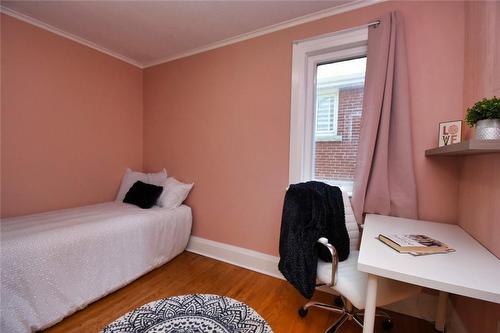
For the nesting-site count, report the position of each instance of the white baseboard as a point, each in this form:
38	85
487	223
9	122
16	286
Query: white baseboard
253	260
422	306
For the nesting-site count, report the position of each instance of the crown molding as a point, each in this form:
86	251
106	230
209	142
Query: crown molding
57	31
269	29
232	40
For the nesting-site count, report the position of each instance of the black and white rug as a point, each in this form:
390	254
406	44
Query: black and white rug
196	313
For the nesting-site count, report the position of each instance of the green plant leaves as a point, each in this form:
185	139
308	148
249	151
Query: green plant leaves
487	108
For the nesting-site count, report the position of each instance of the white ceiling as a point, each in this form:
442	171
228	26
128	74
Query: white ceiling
150	32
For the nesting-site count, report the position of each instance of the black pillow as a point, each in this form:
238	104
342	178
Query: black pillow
143	195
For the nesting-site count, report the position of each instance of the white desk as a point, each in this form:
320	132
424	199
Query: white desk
471	271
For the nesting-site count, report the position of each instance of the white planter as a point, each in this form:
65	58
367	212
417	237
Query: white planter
488	129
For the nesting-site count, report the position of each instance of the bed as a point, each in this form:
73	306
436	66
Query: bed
55	263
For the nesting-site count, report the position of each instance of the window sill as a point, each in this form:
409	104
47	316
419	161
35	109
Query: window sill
328	138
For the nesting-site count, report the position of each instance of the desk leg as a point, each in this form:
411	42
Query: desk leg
441	311
371	304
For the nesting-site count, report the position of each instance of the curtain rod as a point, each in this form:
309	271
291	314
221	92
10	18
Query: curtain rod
374	24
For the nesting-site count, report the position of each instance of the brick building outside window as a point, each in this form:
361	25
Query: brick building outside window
339	101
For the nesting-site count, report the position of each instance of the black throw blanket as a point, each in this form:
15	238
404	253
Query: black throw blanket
311	210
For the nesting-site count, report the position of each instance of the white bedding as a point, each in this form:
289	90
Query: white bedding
55	263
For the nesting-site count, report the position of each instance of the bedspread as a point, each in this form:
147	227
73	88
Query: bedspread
55	263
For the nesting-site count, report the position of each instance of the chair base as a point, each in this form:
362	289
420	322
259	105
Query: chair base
347	313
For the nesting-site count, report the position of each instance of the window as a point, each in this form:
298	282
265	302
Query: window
327	95
327	109
339	103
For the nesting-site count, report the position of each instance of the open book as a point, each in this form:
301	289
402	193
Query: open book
414	244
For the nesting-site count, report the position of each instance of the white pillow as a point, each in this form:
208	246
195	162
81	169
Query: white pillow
131	177
174	193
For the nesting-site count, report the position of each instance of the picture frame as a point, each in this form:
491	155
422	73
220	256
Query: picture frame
450	132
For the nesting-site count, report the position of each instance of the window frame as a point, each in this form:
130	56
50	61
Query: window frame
307	55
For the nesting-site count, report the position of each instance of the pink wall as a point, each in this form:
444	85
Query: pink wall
221	119
71	121
479	190
479	182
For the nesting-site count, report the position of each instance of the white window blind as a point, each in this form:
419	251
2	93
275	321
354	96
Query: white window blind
327	109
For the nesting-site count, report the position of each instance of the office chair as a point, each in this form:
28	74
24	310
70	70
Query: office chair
350	284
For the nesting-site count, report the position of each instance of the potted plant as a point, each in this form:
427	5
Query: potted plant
485	116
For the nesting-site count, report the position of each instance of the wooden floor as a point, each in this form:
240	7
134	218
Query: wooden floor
272	298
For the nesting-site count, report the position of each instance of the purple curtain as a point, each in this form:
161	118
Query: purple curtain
385	177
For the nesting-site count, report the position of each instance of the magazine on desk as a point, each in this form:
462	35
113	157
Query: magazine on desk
416	245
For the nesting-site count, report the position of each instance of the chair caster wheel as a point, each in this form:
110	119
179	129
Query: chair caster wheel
303	312
387	324
338	302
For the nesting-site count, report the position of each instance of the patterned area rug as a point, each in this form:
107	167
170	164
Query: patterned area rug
196	313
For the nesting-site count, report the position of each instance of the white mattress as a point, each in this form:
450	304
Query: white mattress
55	263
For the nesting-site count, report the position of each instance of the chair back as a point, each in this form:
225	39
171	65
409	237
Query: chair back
350	223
